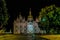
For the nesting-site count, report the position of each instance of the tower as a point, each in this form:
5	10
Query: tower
17	24
36	19
30	17
20	16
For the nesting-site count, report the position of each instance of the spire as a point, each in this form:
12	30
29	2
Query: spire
20	16
30	16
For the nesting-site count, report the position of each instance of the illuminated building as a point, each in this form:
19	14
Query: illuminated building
23	26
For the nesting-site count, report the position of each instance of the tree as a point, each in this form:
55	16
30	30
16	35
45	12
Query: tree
50	17
3	14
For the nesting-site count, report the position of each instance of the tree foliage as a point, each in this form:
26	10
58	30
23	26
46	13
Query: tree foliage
3	13
50	16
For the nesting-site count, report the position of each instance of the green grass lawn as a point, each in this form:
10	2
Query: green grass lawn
12	37
22	37
16	37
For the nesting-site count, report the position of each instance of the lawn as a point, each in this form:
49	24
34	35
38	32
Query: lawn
51	37
12	37
21	37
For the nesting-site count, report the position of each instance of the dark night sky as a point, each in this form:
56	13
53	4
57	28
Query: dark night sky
15	6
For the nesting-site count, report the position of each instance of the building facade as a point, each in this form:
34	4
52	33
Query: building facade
23	26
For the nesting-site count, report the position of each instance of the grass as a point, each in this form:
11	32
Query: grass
21	37
11	37
51	37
